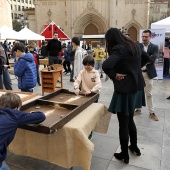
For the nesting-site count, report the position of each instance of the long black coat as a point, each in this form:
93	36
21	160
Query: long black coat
121	61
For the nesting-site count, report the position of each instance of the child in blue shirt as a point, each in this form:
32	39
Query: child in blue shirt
10	119
25	68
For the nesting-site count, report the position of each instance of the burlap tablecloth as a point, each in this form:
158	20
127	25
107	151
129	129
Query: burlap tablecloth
69	146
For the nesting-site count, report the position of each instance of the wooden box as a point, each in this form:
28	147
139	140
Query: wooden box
50	78
59	107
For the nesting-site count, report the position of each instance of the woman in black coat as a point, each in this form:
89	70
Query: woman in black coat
124	68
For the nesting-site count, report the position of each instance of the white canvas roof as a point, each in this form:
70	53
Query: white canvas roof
93	36
27	34
8	33
165	23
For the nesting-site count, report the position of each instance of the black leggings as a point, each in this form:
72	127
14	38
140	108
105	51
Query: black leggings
127	128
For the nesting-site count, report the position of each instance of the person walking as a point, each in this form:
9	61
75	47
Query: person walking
43	51
149	72
25	68
78	58
53	48
124	68
66	63
99	55
166	59
72	55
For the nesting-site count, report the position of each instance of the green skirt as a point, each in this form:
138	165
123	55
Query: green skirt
127	102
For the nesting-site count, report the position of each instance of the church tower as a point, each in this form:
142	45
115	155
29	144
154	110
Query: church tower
5	14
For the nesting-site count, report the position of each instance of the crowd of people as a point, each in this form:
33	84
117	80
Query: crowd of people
130	66
69	55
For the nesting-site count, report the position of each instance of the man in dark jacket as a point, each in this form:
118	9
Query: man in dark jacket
53	48
149	72
25	68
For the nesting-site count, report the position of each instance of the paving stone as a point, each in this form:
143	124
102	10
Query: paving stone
165	164
148	136
145	121
105	147
150	157
29	163
99	164
167	113
56	167
122	166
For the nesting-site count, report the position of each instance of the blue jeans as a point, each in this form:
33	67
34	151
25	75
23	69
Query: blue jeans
98	65
38	76
5	80
4	166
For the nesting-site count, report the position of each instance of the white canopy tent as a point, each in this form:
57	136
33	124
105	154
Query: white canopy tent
8	33
164	23
27	34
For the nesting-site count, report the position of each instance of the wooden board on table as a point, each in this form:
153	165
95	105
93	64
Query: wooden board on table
23	95
58	110
67	97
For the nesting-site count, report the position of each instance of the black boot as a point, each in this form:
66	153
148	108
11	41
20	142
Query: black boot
135	149
122	156
133	140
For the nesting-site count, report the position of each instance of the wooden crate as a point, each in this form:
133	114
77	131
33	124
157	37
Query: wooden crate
50	79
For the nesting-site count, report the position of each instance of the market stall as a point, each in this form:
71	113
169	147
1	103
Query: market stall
162	24
50	29
27	34
8	33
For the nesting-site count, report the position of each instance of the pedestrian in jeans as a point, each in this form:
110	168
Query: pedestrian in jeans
72	54
66	63
99	55
53	48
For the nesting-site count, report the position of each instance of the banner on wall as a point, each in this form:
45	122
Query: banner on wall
158	38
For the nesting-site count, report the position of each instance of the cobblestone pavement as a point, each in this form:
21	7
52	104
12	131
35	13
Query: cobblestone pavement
153	136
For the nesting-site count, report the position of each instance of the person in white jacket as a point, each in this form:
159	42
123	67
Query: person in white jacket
78	66
88	80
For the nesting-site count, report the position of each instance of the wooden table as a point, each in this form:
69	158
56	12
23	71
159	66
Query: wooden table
68	147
